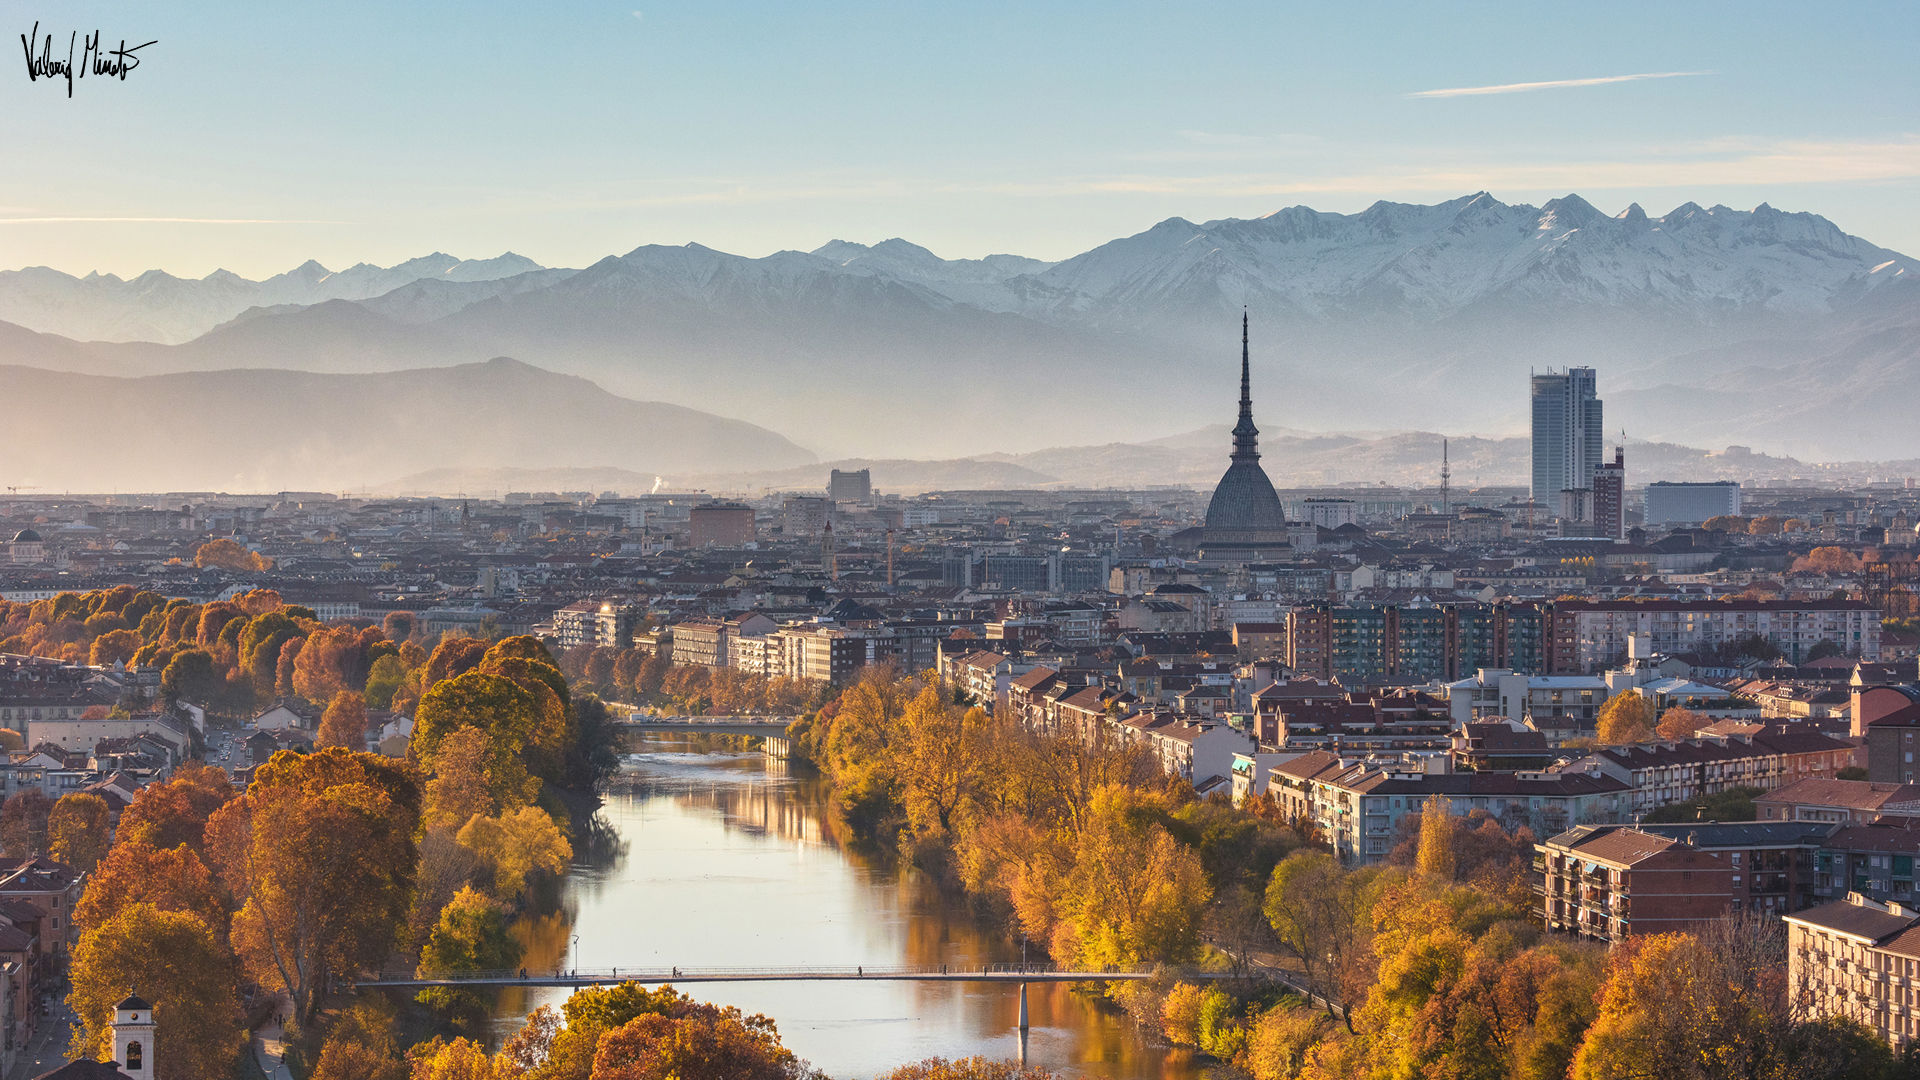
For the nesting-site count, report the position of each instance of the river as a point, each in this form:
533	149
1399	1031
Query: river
727	860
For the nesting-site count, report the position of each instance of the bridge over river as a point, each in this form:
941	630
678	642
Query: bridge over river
772	730
577	977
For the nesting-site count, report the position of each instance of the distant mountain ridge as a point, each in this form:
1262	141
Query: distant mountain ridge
159	307
1709	326
266	430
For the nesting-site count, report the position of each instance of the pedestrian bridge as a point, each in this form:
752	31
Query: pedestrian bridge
764	726
577	977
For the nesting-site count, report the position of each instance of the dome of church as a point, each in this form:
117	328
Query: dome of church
1245	499
26	536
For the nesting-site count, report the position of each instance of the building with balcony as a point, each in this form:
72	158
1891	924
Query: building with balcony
1858	958
1609	882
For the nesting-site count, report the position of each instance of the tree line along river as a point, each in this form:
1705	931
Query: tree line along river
728	859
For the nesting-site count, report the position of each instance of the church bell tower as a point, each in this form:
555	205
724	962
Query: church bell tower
133	1037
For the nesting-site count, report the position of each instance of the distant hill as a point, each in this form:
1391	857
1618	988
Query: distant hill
268	430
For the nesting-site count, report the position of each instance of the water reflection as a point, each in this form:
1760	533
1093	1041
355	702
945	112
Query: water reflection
728	859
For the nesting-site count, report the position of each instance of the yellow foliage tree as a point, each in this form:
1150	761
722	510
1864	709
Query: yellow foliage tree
461	1059
1626	718
1436	858
515	845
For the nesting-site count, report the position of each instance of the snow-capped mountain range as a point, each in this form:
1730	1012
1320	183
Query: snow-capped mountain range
158	307
1398	316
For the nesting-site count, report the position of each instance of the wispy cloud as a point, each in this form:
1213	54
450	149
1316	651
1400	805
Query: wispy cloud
164	221
1554	84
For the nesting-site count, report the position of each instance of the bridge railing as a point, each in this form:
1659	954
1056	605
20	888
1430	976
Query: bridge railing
667	974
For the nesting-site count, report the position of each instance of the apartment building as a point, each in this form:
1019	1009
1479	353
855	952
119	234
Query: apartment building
1858	958
1589	635
1662	773
1608	882
1358	805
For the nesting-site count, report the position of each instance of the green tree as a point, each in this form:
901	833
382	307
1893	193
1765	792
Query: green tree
383	680
493	704
1322	916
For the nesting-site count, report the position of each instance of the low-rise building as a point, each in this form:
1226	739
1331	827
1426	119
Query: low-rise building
1823	798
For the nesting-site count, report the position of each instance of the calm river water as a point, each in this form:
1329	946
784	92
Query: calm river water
723	859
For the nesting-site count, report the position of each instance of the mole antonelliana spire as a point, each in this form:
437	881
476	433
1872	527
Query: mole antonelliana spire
1244	519
1246	437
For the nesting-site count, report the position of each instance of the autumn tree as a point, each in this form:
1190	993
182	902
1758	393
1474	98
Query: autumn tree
1132	893
490	703
516	845
320	854
225	554
705	1044
172	959
400	625
1832	561
1436	858
560	1045
1681	723
23	823
175	811
461	1059
1713	1003
344	723
169	879
77	830
452	658
360	1046
1321	916
940	766
1626	718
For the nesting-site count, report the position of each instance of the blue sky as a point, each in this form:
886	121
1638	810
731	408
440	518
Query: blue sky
355	132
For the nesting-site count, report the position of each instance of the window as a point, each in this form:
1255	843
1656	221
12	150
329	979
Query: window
134	1055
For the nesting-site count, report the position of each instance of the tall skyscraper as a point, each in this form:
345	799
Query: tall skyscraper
1566	433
